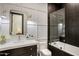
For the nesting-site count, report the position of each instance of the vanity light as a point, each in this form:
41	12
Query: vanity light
30	22
4	14
0	19
3	17
60	24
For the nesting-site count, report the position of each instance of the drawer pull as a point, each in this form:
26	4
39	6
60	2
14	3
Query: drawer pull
31	49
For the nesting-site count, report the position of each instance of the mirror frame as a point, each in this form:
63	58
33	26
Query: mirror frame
11	22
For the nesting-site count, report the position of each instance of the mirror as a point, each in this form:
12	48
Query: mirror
17	20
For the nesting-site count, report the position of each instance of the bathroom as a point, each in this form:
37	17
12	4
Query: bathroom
39	29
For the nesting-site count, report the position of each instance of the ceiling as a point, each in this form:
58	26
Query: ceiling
37	6
55	6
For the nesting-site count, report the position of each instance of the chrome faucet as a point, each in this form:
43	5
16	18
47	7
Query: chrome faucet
28	36
19	37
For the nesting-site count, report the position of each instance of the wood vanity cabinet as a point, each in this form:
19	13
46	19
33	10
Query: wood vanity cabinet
57	52
23	51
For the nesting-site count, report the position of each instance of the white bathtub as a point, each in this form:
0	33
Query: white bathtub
73	50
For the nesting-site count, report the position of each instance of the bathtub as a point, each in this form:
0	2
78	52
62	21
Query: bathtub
73	50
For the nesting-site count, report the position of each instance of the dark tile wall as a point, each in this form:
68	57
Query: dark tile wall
72	23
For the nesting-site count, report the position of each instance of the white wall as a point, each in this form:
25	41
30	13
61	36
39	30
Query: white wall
38	16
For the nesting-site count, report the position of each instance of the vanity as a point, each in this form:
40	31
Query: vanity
25	48
24	44
20	47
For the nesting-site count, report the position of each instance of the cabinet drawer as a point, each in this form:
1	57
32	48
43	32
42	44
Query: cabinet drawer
32	50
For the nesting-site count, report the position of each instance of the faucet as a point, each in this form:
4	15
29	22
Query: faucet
28	36
19	37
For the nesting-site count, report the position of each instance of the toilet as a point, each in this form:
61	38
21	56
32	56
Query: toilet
45	52
43	49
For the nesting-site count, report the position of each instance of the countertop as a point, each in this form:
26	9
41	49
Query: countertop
19	44
73	50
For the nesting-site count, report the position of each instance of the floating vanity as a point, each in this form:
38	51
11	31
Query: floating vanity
22	48
63	49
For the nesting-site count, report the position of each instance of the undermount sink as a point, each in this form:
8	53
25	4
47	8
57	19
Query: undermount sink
12	42
17	42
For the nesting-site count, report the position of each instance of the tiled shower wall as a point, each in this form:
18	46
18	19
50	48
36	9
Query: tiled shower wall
38	27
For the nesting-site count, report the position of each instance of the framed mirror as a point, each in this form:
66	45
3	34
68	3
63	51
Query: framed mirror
17	21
